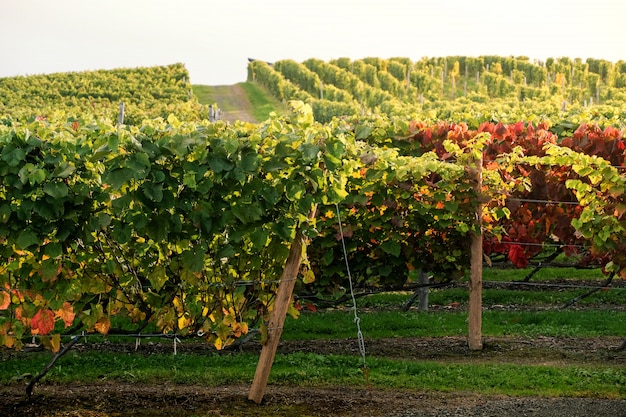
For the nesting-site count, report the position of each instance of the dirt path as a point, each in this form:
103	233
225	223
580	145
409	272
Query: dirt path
234	103
161	400
124	399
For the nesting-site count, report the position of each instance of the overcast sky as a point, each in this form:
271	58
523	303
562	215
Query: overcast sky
214	38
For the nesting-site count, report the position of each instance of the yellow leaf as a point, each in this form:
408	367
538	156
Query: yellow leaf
66	313
236	330
229	320
5	300
52	342
103	325
309	277
136	314
293	311
219	343
183	322
8	341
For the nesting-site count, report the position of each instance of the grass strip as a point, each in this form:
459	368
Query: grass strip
261	101
505	297
544	274
338	324
308	369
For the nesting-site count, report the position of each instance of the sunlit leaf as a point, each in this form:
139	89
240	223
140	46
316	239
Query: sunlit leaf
66	313
103	325
42	322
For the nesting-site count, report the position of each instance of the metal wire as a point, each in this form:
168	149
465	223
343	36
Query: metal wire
531	200
357	320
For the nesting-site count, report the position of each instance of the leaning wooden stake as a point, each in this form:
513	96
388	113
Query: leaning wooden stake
277	319
475	341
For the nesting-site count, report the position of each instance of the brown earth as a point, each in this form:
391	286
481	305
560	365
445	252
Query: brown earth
124	400
234	103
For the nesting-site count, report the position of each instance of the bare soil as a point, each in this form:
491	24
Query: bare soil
234	103
124	400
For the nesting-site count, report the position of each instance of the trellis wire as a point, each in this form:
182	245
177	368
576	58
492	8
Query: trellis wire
538	201
357	320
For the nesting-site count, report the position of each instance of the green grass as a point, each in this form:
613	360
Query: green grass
307	369
384	324
544	274
505	297
206	94
261	101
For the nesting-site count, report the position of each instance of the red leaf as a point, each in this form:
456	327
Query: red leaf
500	130
42	322
517	256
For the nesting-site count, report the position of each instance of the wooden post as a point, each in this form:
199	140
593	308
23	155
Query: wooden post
423	279
476	274
277	318
120	116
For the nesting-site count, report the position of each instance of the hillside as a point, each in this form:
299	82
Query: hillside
468	89
147	93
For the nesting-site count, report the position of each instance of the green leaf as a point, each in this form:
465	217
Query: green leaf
13	156
26	239
310	151
391	247
335	148
275	164
250	161
158	277
37	177
154	192
118	177
238	174
259	238
5	212
121	233
64	170
139	163
219	164
193	259
362	132
452	206
159	228
295	190
104	220
56	189
284	229
189	180
49	269
332	163
53	250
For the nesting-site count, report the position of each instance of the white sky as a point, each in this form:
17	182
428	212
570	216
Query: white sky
214	38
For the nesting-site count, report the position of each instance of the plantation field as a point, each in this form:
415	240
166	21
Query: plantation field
163	249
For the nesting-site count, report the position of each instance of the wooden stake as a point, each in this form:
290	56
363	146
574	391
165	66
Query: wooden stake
120	115
476	274
277	319
423	279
